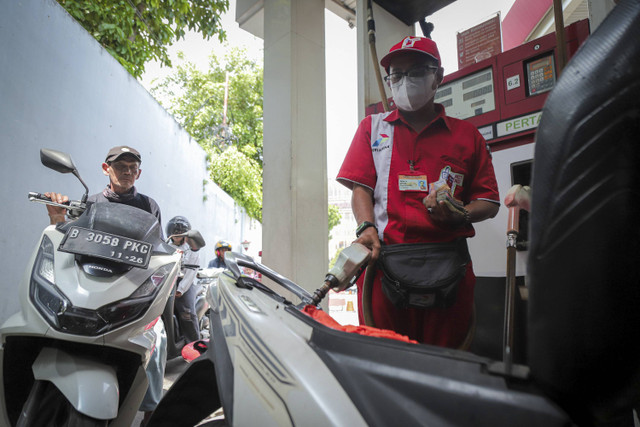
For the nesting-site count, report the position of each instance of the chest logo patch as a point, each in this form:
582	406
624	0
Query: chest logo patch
383	139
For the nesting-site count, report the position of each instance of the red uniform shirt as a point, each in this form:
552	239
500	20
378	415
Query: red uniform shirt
447	144
379	158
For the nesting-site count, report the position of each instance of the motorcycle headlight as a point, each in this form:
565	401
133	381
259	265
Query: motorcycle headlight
153	283
134	307
63	316
44	294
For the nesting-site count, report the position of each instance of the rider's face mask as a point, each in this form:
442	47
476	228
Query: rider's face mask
412	90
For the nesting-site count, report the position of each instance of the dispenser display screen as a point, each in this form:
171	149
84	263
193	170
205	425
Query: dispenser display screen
469	96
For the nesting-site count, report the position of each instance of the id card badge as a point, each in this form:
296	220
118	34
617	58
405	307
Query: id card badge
413	181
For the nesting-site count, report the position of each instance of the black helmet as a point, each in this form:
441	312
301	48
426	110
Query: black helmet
223	244
177	225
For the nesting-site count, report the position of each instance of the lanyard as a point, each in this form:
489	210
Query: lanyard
412	160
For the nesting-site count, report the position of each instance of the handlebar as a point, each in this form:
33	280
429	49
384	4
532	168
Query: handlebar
39	197
74	207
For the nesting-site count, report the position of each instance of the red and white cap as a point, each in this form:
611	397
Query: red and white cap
422	45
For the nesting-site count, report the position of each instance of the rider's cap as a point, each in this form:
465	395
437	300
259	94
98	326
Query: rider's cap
412	44
116	152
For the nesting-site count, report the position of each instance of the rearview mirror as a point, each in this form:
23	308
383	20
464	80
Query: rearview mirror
61	162
57	160
194	239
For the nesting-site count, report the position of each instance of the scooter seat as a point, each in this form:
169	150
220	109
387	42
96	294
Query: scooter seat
584	286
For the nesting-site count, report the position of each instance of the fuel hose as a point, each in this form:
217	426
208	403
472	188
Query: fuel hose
371	28
367	289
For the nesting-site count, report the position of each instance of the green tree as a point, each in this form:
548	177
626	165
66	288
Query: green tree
135	32
196	99
241	177
233	141
334	217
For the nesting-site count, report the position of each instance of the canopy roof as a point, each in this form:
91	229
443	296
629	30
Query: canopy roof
412	11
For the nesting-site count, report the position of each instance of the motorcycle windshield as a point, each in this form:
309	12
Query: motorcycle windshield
122	220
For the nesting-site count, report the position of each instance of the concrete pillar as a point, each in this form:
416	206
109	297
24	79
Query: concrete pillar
295	235
389	31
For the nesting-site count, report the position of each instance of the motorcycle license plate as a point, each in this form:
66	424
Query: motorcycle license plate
99	244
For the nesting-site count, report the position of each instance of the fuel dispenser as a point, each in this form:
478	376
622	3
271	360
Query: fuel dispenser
503	96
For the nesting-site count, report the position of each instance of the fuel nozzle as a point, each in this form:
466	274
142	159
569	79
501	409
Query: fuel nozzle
350	264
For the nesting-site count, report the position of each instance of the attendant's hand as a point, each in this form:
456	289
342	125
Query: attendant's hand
370	239
440	212
56	214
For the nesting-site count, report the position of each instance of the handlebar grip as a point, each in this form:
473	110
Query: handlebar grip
39	196
33	195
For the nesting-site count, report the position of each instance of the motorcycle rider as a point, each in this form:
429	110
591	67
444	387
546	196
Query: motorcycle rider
187	289
122	166
221	247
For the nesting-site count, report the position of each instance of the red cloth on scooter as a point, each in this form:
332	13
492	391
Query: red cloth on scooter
327	320
193	350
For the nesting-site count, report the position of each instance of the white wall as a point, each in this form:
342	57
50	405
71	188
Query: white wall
59	89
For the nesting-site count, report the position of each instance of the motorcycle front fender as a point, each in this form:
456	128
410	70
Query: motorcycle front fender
90	386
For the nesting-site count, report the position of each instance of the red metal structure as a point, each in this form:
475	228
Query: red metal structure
521	80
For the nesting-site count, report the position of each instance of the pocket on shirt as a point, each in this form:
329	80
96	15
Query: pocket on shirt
415	214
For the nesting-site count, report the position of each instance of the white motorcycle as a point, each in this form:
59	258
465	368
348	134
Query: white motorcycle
75	353
270	364
205	278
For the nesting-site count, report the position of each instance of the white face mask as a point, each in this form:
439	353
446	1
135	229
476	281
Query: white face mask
413	93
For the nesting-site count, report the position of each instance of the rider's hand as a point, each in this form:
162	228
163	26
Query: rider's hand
56	214
178	294
440	213
369	238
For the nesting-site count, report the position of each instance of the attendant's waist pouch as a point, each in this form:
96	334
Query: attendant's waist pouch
423	275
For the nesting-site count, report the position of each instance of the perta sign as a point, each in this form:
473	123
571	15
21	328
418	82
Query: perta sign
519	124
